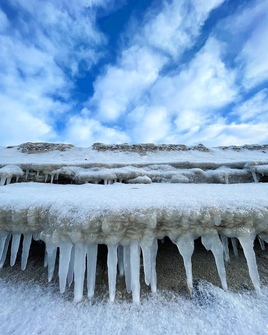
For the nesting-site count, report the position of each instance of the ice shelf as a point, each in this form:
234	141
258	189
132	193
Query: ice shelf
129	208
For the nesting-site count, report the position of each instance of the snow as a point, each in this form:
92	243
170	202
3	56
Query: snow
88	156
28	308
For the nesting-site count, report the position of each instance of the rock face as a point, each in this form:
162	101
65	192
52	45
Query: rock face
181	193
147	147
33	148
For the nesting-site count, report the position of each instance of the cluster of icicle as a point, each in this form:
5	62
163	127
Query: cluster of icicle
137	175
79	259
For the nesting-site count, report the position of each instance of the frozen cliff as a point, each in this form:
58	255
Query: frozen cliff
129	197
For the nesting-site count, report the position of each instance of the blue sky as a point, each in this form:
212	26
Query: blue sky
116	71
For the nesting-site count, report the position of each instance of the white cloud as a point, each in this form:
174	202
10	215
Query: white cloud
84	131
175	27
255	109
168	32
254	56
149	124
246	34
194	94
46	44
122	85
4	23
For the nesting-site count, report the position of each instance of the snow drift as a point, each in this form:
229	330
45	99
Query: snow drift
128	198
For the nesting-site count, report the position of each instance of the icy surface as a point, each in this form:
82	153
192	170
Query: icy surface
28	308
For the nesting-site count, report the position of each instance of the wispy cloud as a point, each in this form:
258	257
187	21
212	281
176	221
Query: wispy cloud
43	45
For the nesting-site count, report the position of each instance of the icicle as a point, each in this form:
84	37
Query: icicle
65	255
105	181
79	270
135	271
212	242
8	180
26	244
70	275
147	265
51	251
127	268
120	252
2	181
262	245
225	244
185	244
92	251
3	237
226	177
26	175
46	177
15	244
234	245
4	251
52	178
45	259
256	179
247	244
154	249
112	270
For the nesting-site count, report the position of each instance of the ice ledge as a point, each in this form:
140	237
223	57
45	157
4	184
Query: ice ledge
75	219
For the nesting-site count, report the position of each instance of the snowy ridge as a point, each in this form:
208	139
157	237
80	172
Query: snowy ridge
223	203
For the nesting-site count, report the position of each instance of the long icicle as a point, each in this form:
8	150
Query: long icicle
234	245
212	242
135	271
225	244
15	244
4	252
247	243
51	251
65	255
3	237
185	244
154	249
79	270
26	244
92	251
70	275
127	268
120	252
147	263
112	270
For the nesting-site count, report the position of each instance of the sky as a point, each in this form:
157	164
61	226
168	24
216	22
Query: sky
134	71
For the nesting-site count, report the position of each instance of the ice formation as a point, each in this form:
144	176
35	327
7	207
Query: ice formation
128	198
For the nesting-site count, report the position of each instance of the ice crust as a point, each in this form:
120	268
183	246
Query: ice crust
128	201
